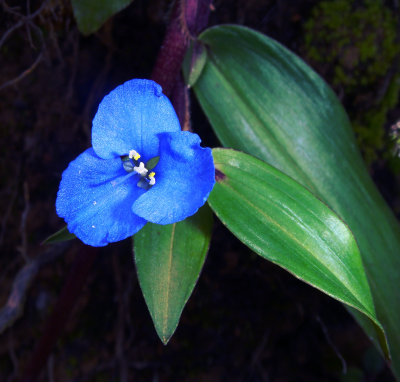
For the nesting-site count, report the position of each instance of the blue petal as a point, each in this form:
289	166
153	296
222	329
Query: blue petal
95	199
184	178
130	117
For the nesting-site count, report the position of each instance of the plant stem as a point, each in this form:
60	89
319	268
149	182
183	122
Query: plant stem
188	18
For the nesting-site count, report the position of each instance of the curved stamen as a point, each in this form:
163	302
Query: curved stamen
134	155
152	179
115	183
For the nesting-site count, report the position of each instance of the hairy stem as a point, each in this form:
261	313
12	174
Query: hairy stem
188	18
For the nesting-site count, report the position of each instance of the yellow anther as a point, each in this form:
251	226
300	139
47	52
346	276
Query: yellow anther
134	154
152	179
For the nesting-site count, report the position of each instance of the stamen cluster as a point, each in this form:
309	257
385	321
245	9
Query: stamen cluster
131	163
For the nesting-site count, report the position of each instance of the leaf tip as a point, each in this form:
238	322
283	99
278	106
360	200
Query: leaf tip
165	339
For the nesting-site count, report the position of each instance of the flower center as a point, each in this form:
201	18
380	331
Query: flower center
131	164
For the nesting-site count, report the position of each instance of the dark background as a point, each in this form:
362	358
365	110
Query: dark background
247	319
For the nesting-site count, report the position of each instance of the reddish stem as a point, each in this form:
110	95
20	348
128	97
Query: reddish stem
188	18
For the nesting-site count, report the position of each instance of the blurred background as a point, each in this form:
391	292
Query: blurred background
247	319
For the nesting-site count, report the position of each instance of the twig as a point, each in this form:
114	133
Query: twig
9	9
27	21
13	357
30	16
28	31
55	324
73	39
333	346
99	81
23	74
11	30
14	305
255	359
50	368
24	242
101	367
128	320
23	19
155	376
11	265
120	325
10	205
75	62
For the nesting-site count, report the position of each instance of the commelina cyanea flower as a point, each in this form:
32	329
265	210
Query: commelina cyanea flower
141	168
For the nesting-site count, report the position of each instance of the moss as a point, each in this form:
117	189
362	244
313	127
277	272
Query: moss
354	45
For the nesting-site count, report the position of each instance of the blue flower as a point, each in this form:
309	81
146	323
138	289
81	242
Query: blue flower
141	168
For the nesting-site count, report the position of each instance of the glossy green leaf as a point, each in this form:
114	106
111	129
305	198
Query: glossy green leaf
90	15
169	259
264	100
62	235
283	222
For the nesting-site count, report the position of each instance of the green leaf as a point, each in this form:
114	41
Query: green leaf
194	62
283	222
62	235
90	15
262	99
169	259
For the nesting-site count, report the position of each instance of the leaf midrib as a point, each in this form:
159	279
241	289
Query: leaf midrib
355	295
168	281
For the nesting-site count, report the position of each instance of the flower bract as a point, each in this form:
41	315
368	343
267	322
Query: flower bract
141	168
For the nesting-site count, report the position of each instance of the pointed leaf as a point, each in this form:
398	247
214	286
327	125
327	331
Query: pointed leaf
169	259
194	62
62	235
90	15
264	100
283	222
